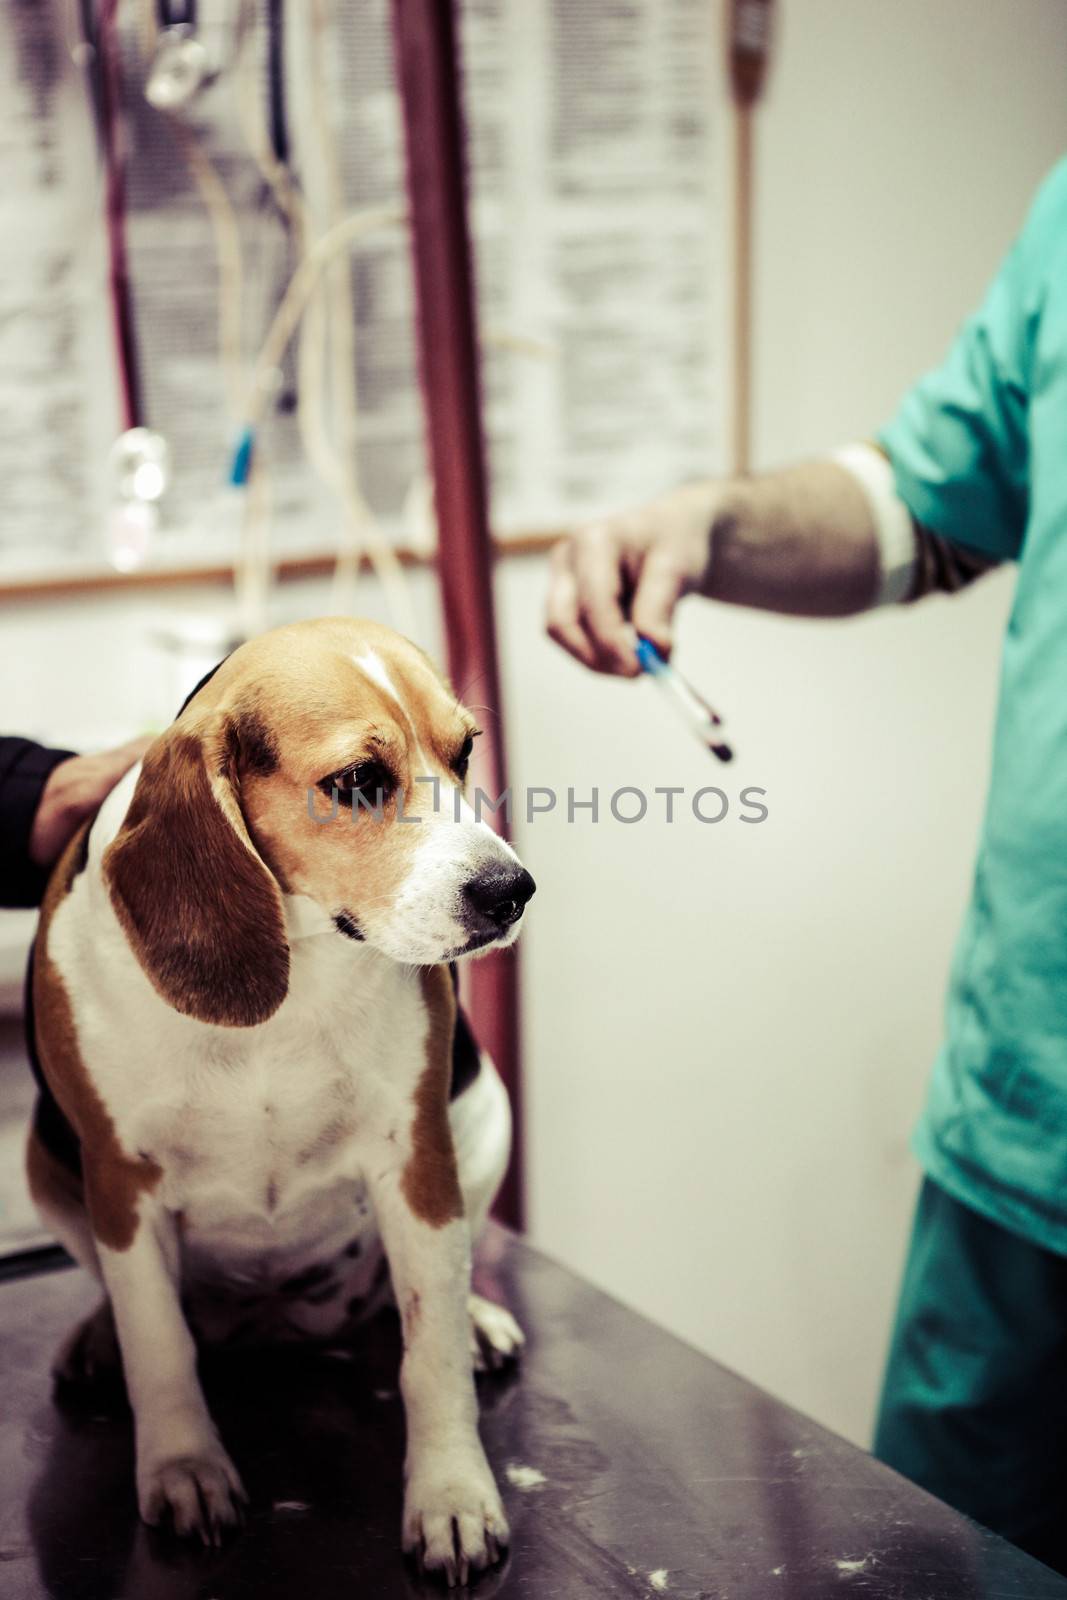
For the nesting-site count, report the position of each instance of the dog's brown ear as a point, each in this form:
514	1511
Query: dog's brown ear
201	910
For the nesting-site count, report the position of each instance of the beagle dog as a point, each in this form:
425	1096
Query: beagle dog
255	1119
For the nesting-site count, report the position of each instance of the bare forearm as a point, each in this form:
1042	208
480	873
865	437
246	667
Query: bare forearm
802	540
825	539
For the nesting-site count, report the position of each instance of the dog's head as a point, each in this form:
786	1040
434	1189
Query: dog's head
325	759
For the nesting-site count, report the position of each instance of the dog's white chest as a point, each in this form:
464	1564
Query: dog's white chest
255	1140
278	1237
262	1136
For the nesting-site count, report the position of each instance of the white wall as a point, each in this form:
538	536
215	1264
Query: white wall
728	1028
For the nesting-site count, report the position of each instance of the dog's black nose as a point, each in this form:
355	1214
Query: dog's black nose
500	892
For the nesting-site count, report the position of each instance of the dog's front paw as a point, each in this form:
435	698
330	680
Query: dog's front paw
454	1520
496	1337
198	1493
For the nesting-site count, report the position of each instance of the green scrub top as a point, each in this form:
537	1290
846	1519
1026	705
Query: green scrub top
979	452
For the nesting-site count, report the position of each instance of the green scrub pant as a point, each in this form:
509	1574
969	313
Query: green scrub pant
974	1405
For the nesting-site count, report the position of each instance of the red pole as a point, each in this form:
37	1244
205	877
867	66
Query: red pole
427	69
112	140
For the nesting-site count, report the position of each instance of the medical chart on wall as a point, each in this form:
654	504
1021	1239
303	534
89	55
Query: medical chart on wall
596	205
57	401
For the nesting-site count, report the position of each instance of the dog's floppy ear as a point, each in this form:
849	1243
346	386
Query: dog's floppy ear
201	910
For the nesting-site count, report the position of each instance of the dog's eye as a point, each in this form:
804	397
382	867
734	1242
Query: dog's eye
370	780
462	759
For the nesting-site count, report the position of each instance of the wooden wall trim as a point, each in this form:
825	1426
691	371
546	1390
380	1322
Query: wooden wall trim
65	586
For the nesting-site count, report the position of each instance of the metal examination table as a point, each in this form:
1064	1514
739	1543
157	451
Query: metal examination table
631	1467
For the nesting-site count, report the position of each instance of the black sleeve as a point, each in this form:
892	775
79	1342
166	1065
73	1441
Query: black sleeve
24	770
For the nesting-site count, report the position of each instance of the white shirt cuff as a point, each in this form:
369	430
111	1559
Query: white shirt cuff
898	545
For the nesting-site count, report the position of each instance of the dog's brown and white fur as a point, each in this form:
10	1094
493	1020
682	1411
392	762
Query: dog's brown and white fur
243	1013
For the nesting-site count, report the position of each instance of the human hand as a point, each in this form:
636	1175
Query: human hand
74	791
625	575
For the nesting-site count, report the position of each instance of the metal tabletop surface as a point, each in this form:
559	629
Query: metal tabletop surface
631	1465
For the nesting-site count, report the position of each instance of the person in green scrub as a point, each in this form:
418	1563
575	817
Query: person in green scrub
971	472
